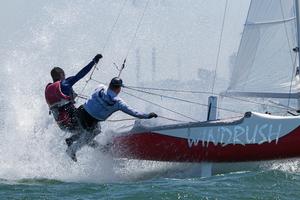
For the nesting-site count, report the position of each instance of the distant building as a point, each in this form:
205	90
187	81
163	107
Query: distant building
206	75
232	60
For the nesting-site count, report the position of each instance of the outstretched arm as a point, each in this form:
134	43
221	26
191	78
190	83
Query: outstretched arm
84	71
66	85
130	111
70	81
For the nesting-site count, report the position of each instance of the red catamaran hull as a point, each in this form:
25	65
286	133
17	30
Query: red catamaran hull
154	145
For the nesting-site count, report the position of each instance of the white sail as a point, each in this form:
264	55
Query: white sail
265	61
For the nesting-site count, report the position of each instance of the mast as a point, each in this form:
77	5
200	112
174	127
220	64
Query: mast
138	65
298	39
298	28
153	63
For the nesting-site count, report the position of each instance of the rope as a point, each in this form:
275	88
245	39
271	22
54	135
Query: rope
100	82
133	119
121	120
255	102
176	120
169	90
123	66
204	92
282	107
111	32
183	100
291	54
219	47
131	44
87	81
293	114
105	44
286	32
171	119
165	108
109	36
292	79
167	118
115	23
137	28
81	96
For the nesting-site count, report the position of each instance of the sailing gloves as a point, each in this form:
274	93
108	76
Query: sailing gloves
97	58
152	115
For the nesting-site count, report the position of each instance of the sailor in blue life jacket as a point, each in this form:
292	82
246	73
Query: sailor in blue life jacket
60	97
102	104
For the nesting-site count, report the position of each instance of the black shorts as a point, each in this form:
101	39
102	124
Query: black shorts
87	122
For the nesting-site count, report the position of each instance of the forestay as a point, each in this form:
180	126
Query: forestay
265	61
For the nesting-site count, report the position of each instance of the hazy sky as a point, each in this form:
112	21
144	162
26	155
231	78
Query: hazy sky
15	13
185	32
37	35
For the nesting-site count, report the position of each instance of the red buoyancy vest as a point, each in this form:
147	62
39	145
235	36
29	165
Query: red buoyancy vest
54	95
60	105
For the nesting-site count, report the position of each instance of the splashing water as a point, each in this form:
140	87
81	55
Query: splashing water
69	34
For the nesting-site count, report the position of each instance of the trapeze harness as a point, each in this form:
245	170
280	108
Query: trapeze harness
61	106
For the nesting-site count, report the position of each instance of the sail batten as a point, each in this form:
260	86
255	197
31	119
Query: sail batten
265	60
271	22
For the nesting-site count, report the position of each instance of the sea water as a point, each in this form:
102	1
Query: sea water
269	184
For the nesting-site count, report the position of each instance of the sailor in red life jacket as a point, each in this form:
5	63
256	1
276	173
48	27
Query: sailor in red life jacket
60	98
103	102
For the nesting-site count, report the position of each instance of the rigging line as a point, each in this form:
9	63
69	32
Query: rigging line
120	120
172	119
82	96
183	100
105	44
169	90
111	31
159	89
283	106
290	51
152	103
219	47
250	101
137	28
87	81
133	38
203	92
292	79
114	25
286	32
133	119
178	113
100	82
293	114
198	92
